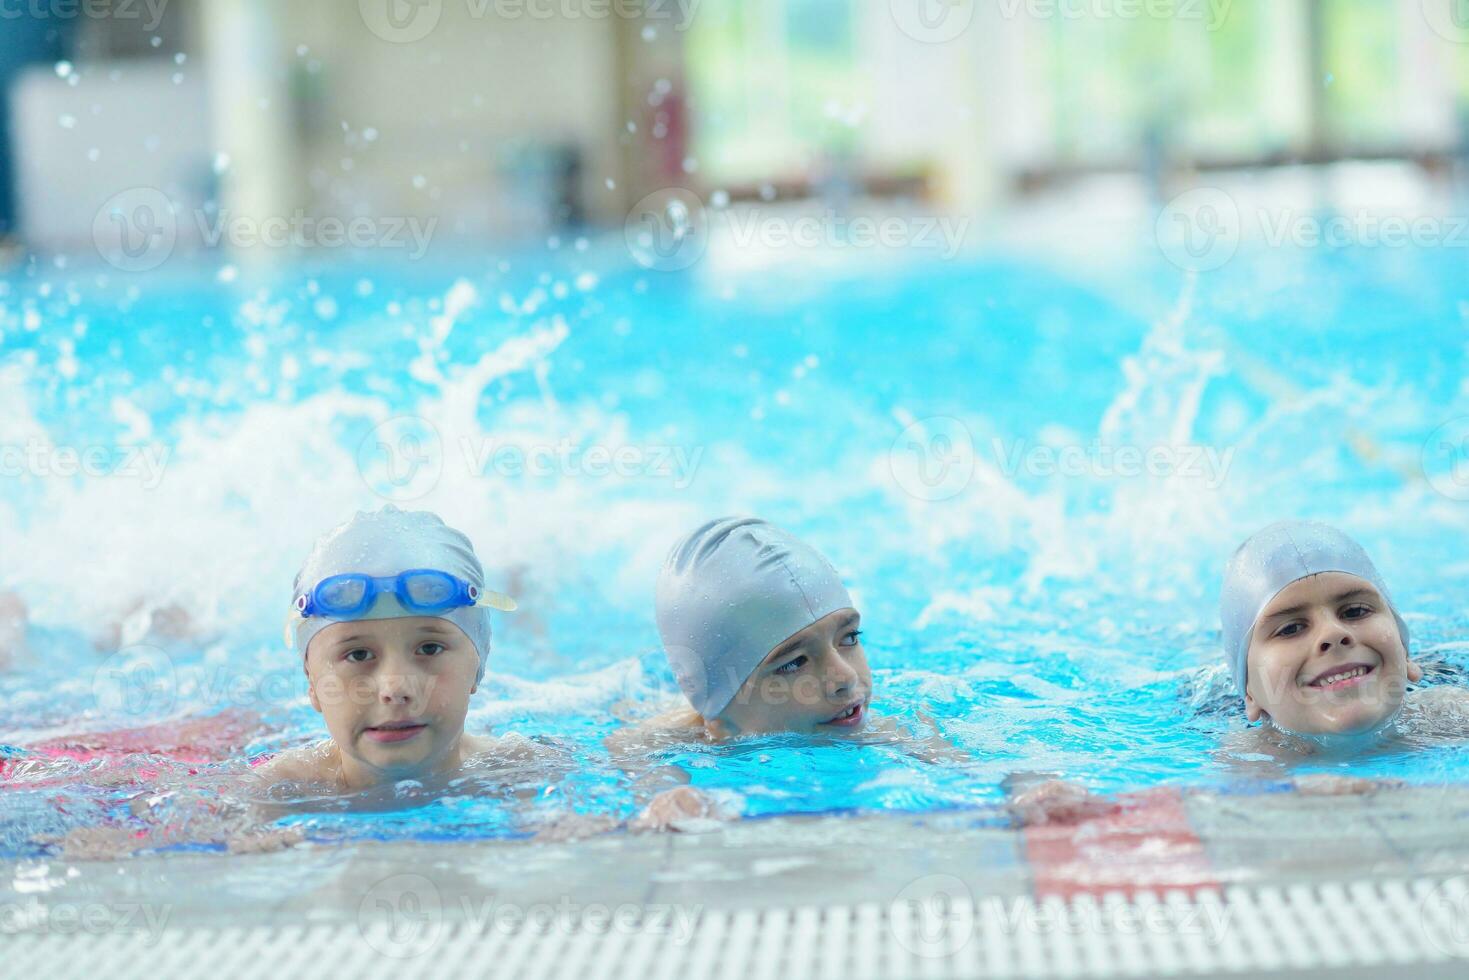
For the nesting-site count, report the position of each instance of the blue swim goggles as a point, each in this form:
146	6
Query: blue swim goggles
422	591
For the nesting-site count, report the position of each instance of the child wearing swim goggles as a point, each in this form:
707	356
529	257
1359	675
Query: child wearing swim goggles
1317	649
391	619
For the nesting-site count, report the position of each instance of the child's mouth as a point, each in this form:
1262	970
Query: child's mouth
850	718
396	731
1343	677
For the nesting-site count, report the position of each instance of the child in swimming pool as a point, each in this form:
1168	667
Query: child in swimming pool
763	637
1318	650
391	619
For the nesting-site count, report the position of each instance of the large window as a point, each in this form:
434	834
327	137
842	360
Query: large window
770	81
780	85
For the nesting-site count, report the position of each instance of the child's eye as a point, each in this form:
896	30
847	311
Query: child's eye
1290	629
358	656
1357	611
791	666
850	640
432	649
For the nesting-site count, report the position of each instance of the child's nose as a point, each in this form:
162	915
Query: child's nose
394	689
841	677
1342	639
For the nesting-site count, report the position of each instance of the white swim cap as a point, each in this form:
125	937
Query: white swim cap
387	542
728	594
1274	558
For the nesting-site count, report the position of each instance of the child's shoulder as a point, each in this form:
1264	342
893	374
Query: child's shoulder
509	748
675	726
315	763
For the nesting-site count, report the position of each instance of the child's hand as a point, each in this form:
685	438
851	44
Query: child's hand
265	840
682	809
1057	803
574	826
1325	784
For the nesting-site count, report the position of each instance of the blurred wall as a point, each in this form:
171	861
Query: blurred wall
24	42
469	123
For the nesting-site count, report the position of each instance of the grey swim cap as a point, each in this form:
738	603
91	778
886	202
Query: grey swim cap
728	594
386	542
1271	560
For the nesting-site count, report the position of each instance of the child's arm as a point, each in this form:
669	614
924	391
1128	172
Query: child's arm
1445	709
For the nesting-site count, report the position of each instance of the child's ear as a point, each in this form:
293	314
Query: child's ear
1415	672
1253	712
311	690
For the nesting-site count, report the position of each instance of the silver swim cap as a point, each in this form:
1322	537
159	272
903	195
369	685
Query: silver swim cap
728	594
1274	558
386	542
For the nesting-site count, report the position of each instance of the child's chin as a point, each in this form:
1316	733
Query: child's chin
1354	722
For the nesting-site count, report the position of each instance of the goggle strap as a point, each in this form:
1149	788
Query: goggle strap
496	600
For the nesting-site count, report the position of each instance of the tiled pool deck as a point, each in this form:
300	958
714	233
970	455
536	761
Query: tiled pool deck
1195	885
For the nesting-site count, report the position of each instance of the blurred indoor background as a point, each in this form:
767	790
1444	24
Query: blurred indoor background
507	119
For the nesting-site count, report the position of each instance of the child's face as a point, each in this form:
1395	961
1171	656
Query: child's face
816	681
393	693
1326	657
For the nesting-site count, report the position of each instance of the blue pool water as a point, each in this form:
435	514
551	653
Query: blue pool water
1042	620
